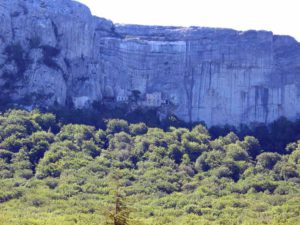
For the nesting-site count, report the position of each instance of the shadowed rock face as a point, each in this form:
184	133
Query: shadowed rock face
55	51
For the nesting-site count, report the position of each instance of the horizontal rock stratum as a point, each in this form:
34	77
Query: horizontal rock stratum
55	52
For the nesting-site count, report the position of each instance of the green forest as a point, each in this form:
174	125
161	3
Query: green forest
58	171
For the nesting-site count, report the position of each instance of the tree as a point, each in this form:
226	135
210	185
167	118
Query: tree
267	160
101	138
45	120
236	152
38	143
229	170
116	126
6	170
285	170
138	129
230	138
281	133
76	133
251	145
175	152
119	213
22	165
196	142
90	148
209	160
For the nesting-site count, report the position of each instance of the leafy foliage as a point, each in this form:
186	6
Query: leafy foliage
61	173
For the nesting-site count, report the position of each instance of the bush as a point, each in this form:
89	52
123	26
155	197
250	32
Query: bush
116	126
6	155
51	183
267	160
193	209
236	153
138	129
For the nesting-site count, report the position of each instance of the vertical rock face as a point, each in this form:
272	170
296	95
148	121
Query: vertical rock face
55	52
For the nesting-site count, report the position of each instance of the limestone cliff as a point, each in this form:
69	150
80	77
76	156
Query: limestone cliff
56	52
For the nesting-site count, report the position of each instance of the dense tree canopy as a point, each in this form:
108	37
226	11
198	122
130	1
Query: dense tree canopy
61	173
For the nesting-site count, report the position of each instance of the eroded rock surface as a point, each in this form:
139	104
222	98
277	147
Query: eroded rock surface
56	52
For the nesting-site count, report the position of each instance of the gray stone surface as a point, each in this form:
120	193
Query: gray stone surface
220	76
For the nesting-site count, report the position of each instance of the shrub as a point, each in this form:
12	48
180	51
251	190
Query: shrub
267	160
116	126
138	129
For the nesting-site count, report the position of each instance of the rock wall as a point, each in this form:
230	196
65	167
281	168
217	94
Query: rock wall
55	52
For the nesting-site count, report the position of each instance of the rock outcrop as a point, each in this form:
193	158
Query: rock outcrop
55	52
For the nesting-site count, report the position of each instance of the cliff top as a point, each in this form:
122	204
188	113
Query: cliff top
77	10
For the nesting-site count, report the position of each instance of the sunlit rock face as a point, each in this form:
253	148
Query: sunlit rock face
55	52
